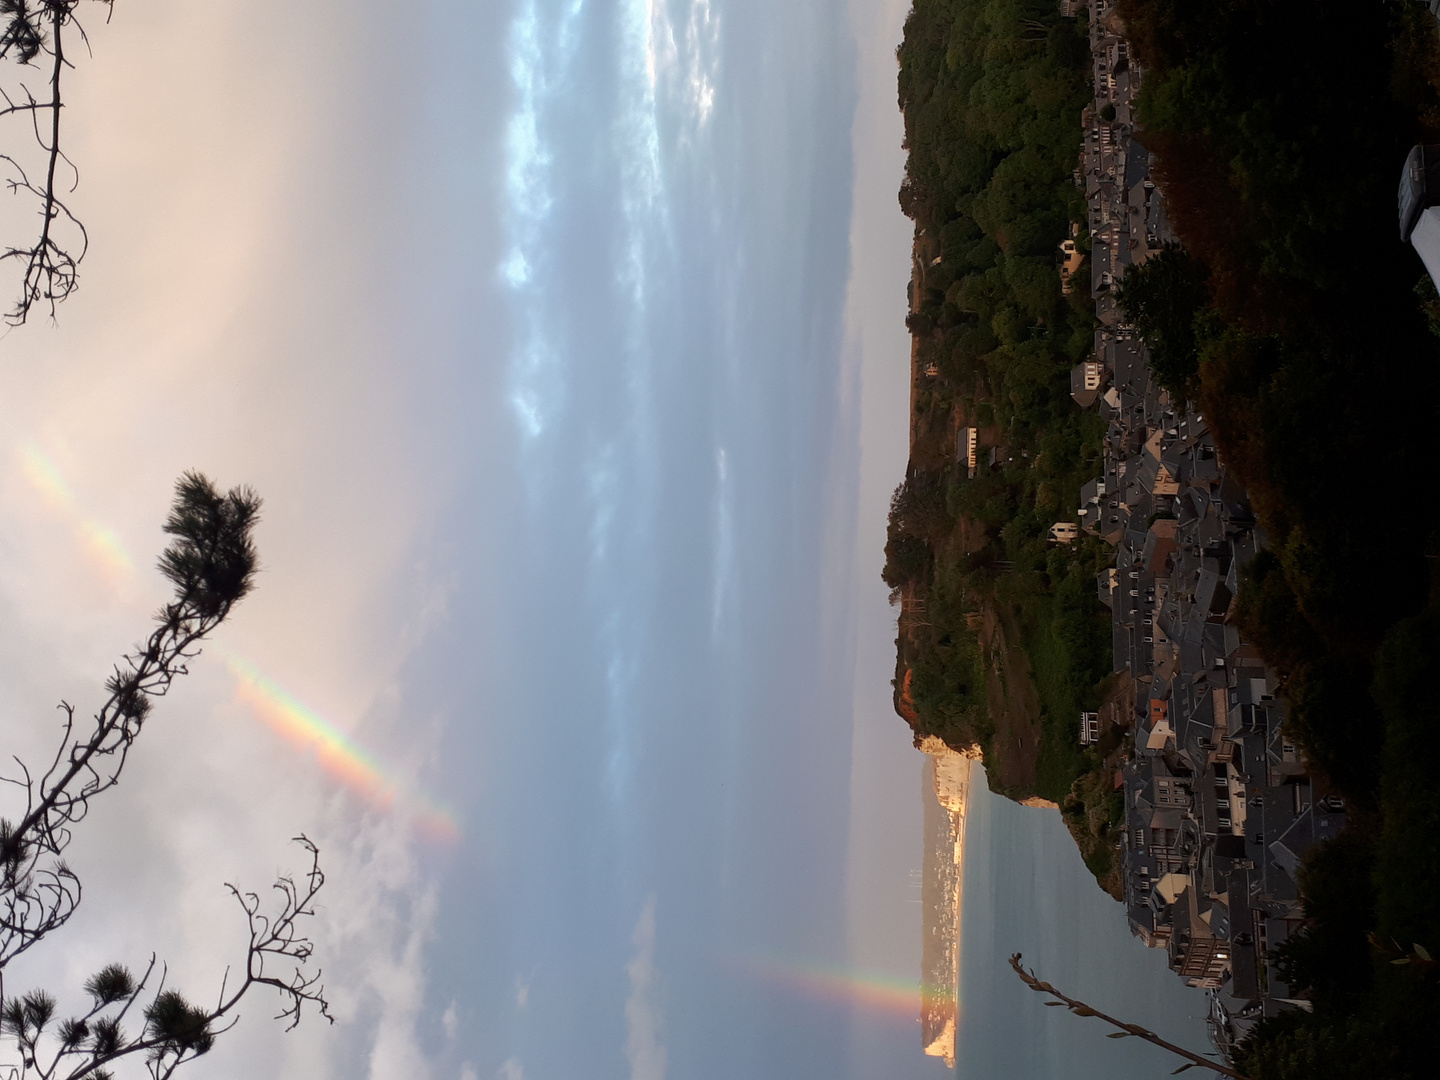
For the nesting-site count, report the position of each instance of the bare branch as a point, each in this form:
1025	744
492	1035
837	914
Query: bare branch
1079	1008
30	30
175	1032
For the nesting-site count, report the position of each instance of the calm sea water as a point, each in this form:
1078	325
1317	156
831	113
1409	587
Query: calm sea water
1027	891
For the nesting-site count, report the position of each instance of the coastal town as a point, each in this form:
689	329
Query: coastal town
1069	568
1219	806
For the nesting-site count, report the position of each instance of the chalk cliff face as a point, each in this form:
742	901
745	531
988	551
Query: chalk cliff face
946	785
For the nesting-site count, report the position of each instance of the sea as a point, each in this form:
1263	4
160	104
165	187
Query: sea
1027	891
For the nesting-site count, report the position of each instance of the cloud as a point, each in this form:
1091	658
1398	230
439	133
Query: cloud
522	991
376	937
450	1021
511	1070
642	1009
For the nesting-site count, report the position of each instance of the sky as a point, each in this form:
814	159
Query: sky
564	342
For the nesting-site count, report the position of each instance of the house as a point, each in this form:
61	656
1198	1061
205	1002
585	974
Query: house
1160	733
1093	506
1159	546
967	442
1219	806
1064	532
1071	258
1086	380
1089	728
1197	954
1106	582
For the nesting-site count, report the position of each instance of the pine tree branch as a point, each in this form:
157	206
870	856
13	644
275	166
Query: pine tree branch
211	562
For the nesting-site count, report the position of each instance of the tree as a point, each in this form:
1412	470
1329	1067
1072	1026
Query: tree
917	507
1161	298
917	517
33	35
211	561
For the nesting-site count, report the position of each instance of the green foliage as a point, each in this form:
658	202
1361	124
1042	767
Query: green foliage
25	1017
947	684
991	91
1330	957
1161	298
106	1036
177	1026
212	559
1082	627
1429	302
1095	815
918	506
1294	1045
1066	636
1254	81
110	984
907	558
918	516
1408	859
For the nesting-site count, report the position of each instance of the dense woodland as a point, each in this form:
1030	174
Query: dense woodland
1281	127
992	92
1291	316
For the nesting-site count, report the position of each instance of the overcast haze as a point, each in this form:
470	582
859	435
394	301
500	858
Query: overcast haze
565	343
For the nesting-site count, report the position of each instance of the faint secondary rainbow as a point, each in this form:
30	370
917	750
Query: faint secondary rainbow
102	544
841	986
335	752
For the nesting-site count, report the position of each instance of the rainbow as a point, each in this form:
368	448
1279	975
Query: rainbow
335	752
102	544
869	991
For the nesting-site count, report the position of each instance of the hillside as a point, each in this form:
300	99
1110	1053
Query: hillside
1315	363
1289	316
1002	640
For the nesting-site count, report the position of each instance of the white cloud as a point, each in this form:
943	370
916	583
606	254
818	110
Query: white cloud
643	1046
688	61
450	1021
522	991
511	1070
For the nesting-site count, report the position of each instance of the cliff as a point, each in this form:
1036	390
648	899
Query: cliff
945	789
